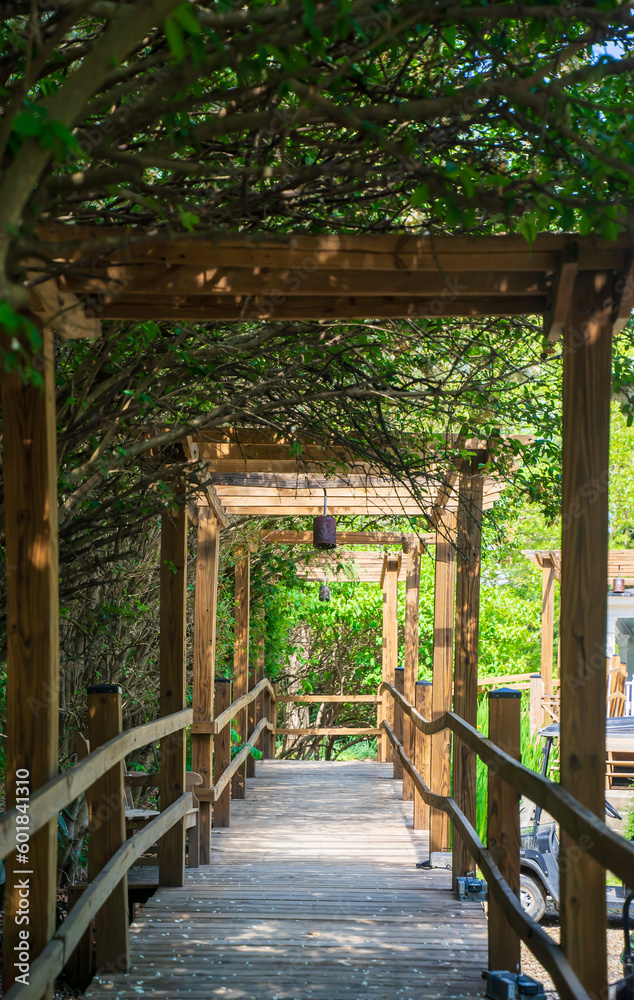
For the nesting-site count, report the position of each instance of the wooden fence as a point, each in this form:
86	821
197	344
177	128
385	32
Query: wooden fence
100	776
500	859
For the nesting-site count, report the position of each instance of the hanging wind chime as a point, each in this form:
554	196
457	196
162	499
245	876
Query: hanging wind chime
324	529
324	537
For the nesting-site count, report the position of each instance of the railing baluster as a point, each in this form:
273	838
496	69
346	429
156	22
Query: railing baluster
503	826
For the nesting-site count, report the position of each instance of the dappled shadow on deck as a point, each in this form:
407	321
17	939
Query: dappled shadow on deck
312	893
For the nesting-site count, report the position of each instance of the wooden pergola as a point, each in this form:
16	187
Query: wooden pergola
583	288
344	567
248	473
329	277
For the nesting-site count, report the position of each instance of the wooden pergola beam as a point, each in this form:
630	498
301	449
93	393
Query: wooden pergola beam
561	294
240	278
345	538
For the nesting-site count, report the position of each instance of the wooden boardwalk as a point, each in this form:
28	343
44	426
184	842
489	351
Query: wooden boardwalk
313	894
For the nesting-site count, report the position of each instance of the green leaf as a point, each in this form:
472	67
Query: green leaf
175	39
185	17
528	228
419	196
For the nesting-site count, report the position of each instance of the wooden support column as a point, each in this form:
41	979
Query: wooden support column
548	621
241	657
586	423
423	705
399	684
444	613
204	663
106	833
410	653
536	711
466	656
259	676
252	719
268	737
389	585
173	686
222	753
30	496
503	827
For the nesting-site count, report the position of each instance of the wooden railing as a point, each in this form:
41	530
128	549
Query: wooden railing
591	835
100	775
339	699
69	785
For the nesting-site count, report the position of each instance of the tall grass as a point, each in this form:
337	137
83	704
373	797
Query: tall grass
531	751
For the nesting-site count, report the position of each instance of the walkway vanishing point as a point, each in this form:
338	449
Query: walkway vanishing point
313	893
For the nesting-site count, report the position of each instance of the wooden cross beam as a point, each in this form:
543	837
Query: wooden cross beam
324	277
346	538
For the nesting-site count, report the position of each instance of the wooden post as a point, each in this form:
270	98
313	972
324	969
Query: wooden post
389	585
173	686
444	613
466	665
503	827
241	657
399	684
535	711
79	970
268	737
252	719
259	676
548	620
273	734
410	653
106	804
30	496
587	387
222	754
423	704
205	604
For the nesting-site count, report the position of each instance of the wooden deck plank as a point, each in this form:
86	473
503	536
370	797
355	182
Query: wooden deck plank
312	894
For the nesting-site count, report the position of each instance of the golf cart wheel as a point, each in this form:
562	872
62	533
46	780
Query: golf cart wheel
532	897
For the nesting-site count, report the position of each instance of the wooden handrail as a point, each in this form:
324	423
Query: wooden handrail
240	703
345	699
57	952
60	791
214	793
590	833
543	947
329	731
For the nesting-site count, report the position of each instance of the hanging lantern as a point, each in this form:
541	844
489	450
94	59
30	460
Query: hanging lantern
324	529
324	592
618	584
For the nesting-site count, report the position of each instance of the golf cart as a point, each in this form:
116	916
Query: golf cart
539	854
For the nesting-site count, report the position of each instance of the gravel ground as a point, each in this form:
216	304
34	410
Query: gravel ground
531	966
